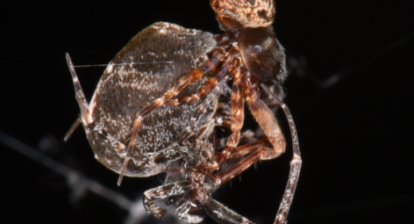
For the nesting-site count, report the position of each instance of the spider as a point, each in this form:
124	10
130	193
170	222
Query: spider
249	53
153	100
174	137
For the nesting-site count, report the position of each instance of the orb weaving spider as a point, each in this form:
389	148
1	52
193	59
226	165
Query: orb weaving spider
249	54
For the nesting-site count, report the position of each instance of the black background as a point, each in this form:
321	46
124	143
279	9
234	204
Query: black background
355	135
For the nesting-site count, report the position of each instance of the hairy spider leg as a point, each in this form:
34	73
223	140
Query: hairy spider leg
265	118
80	97
213	93
206	88
248	148
237	119
72	129
209	125
204	128
295	165
188	79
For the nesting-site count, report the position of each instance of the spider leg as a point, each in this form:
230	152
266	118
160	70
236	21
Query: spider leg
206	88
80	96
295	165
72	129
237	115
247	136
206	127
214	93
258	148
266	120
163	192
221	214
188	79
248	148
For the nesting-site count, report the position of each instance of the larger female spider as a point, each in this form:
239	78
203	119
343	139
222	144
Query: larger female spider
159	93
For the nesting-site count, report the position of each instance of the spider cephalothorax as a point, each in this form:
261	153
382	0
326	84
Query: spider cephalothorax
234	14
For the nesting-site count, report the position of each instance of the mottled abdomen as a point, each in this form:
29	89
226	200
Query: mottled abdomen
147	67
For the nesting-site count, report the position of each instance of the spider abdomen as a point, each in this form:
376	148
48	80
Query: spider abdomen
147	67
